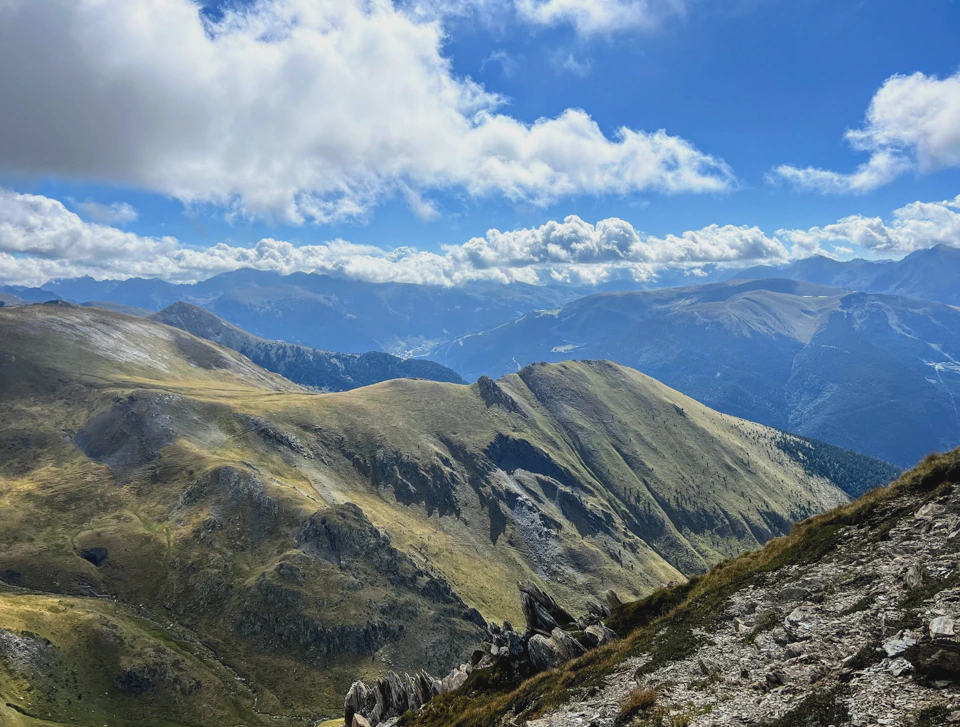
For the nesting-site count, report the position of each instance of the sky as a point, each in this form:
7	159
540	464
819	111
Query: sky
443	141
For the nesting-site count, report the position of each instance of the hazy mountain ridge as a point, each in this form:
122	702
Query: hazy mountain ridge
277	532
929	274
327	312
325	370
873	373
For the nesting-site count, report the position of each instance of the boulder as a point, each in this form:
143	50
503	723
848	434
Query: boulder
542	653
600	634
359	721
930	511
613	600
455	679
548	653
360	700
935	662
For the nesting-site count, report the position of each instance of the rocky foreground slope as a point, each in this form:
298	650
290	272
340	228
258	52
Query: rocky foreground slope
187	538
852	620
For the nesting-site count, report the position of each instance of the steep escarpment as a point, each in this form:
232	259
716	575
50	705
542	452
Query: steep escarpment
305	540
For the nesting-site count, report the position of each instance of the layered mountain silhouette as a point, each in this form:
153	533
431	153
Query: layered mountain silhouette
303	365
326	312
188	538
878	374
930	274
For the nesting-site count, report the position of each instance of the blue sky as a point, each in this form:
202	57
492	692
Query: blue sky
749	84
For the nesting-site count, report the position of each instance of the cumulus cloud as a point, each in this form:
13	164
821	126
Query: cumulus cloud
117	213
41	239
304	110
915	226
41	227
912	124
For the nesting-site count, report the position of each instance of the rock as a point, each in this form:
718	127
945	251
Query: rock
455	679
547	653
360	700
899	666
893	647
600	634
774	678
930	511
941	627
935	662
359	721
542	654
613	600
598	609
793	593
915	576
541	611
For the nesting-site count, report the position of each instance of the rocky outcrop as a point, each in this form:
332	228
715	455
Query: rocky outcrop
506	653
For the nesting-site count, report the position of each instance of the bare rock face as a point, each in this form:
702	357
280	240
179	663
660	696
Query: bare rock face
544	645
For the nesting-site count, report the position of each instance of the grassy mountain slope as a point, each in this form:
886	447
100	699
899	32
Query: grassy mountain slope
306	540
668	635
875	374
307	366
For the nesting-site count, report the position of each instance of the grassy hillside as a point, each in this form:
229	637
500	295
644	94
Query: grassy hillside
306	539
307	366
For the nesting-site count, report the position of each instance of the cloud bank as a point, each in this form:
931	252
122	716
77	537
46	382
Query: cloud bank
41	239
912	125
299	110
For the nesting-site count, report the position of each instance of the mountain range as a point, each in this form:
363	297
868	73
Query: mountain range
326	312
322	370
929	274
878	374
187	538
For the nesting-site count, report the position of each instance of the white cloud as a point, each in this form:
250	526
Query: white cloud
300	109
912	124
600	16
915	226
41	227
117	213
41	239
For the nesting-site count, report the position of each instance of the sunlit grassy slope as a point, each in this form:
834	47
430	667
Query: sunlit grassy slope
228	522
